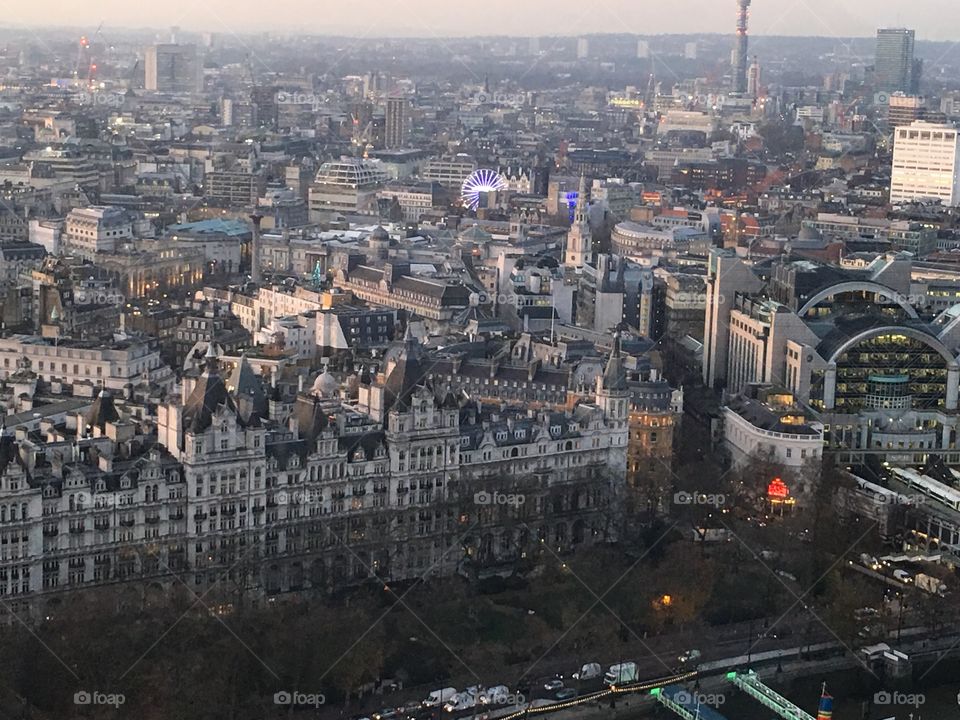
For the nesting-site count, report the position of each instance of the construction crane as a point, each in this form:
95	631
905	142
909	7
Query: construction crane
92	66
82	46
651	95
83	56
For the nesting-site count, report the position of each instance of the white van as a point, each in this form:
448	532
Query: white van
439	697
588	672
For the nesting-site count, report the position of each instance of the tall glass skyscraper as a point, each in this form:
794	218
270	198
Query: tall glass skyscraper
895	69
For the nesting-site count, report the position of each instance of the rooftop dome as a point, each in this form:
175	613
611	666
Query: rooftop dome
326	385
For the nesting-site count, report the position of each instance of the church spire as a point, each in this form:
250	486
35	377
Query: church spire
579	239
615	376
583	201
613	393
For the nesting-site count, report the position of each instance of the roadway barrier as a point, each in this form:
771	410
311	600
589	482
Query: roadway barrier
613	690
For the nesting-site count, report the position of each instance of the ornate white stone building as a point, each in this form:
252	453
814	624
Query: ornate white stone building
237	488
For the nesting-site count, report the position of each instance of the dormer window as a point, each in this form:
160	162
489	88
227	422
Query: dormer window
125	483
501	436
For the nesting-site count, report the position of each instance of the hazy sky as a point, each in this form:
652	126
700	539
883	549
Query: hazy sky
933	19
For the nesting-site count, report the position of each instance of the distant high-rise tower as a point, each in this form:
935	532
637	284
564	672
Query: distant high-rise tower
690	51
534	46
396	123
173	68
895	69
643	49
264	99
753	78
740	48
583	48
371	85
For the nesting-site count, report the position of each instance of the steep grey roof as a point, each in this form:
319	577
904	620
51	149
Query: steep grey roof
102	411
285	450
246	386
651	396
208	396
311	418
614	376
367	443
408	374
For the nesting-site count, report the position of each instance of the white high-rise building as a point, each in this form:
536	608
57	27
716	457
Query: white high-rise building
753	78
926	163
583	48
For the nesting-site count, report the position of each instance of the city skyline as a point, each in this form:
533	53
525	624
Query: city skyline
400	360
432	18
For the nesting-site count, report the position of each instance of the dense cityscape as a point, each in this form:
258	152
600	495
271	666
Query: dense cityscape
483	376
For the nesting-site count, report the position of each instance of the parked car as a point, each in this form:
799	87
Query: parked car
566	694
554	684
903	576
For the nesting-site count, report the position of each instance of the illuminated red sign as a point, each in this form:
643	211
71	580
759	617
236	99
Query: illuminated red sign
778	489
